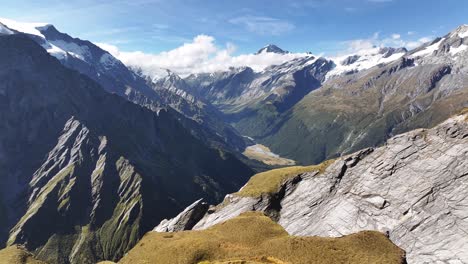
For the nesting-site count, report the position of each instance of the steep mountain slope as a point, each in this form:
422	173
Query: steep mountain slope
174	92
89	168
414	188
254	238
115	77
89	59
354	111
250	100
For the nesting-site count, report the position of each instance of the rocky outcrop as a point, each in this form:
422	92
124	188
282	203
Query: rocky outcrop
185	220
414	188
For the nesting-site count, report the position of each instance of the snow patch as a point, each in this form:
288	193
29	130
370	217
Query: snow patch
56	52
463	31
80	52
461	48
4	30
28	28
108	61
367	59
56	48
428	50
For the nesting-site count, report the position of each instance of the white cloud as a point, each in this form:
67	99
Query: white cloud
410	33
263	25
198	56
394	40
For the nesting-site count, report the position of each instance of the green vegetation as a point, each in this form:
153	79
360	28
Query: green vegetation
254	238
269	182
348	114
17	255
56	182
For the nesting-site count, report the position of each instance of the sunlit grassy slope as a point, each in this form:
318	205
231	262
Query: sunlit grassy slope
270	181
255	238
17	255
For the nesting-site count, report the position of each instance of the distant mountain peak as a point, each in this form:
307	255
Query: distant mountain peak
45	27
4	30
461	31
271	48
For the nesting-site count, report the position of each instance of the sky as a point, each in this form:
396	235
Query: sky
216	28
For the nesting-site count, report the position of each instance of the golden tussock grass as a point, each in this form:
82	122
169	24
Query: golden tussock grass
17	255
254	238
270	181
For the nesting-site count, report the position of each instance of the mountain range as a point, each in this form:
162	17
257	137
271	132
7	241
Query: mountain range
94	153
97	171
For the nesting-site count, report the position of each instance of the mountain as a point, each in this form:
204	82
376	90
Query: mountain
364	59
85	173
88	59
251	101
115	77
174	92
413	189
310	109
362	109
271	49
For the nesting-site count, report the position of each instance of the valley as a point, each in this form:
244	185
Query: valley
353	158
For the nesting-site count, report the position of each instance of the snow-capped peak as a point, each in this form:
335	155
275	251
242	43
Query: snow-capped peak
451	47
271	48
56	47
461	31
5	30
365	59
28	28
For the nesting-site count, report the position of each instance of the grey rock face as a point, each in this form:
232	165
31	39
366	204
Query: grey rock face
388	51
185	220
350	60
231	207
414	188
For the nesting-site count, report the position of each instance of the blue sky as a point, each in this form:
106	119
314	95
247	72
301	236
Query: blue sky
323	27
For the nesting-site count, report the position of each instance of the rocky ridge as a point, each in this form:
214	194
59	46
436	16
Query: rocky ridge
363	109
93	180
413	188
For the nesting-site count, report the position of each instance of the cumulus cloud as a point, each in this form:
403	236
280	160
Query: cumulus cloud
198	56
